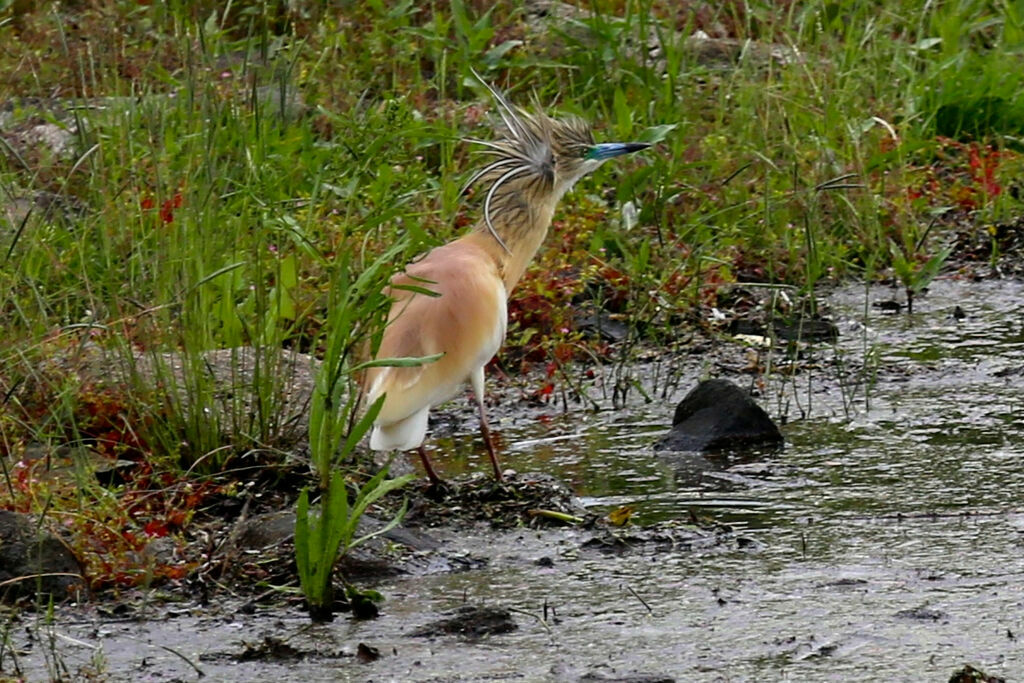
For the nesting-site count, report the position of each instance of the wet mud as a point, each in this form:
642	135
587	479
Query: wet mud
882	542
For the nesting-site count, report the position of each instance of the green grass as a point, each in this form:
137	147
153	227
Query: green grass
220	167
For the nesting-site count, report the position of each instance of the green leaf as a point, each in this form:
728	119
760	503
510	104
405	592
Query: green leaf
216	274
929	270
211	26
461	18
288	275
283	307
926	44
417	290
656	133
401	9
361	427
643	256
494	55
303	551
367	593
404	362
901	265
623	113
336	519
394	520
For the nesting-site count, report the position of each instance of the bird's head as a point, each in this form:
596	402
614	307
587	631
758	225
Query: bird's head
574	153
538	158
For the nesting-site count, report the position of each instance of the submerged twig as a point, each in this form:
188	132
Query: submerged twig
543	622
637	596
199	672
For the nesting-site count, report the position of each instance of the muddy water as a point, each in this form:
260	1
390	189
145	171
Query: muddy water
884	542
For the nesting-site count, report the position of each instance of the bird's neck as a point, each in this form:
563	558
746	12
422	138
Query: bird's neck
522	227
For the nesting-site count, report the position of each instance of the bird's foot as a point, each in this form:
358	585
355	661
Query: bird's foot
438	490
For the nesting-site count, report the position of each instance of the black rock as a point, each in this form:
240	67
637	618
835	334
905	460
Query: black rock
806	330
888	306
363	606
271	529
718	414
603	326
969	674
42	562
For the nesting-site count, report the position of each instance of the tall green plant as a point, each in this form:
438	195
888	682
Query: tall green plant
356	317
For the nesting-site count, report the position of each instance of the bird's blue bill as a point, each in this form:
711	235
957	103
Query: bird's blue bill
608	150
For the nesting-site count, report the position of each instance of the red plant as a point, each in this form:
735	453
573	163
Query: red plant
983	164
543	307
106	419
110	531
167	207
963	173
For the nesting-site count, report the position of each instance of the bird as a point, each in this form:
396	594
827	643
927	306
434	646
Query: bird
462	319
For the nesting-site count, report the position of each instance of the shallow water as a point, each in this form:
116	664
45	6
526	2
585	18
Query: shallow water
909	499
887	534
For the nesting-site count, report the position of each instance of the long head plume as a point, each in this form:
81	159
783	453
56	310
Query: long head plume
539	157
524	152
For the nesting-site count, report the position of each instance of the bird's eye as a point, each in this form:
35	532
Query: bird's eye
572	152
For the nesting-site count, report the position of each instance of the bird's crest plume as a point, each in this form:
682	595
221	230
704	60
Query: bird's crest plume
525	152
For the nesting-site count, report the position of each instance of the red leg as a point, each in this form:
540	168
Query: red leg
477	381
485	431
431	474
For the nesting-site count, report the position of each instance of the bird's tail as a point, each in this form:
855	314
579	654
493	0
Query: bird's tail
403	435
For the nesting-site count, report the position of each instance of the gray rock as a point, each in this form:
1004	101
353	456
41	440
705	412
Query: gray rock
601	325
718	414
799	330
554	27
271	529
232	386
284	100
261	532
34	562
56	138
40	207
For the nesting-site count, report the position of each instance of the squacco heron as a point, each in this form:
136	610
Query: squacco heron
537	160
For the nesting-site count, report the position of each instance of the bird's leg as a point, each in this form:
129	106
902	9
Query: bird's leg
477	380
486	432
431	474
